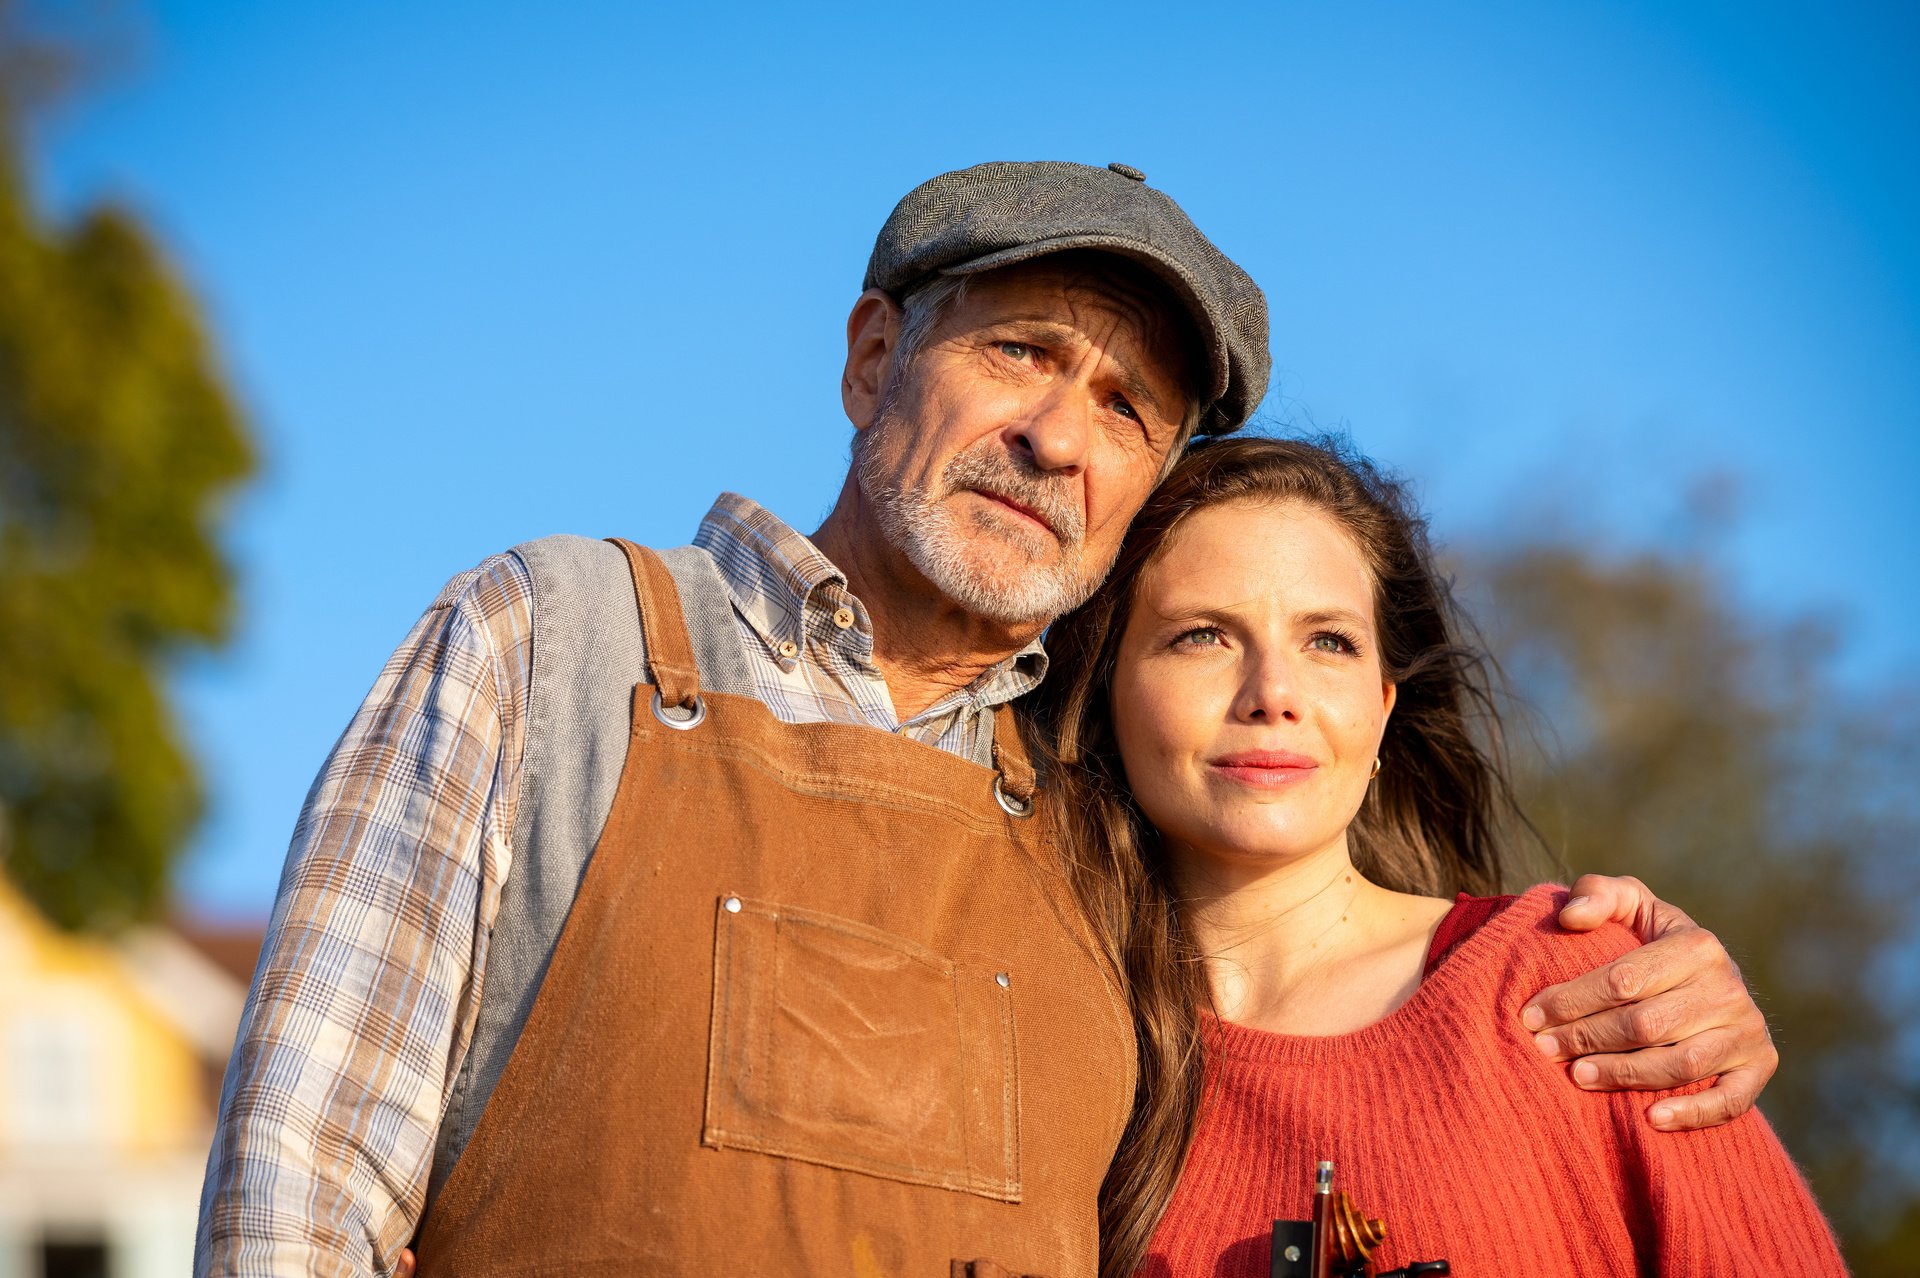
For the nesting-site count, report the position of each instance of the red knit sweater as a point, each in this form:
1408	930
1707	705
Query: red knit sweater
1444	1121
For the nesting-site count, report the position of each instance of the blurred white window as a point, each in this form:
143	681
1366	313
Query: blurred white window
55	1059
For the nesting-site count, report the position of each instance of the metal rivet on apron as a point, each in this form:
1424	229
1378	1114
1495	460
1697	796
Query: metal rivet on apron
1002	979
1008	804
696	713
732	904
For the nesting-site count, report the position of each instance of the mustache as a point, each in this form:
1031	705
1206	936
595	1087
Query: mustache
988	466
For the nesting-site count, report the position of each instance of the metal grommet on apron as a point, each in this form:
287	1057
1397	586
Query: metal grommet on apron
1011	805
696	713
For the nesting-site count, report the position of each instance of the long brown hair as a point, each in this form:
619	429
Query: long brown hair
1429	823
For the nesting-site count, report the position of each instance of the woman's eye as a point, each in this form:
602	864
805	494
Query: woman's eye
1200	637
1125	409
1327	641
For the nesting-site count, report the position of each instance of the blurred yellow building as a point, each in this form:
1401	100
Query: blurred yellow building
111	1054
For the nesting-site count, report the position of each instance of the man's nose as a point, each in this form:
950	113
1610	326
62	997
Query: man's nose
1056	431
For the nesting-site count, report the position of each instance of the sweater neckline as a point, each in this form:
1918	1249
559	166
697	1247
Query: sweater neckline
1433	1003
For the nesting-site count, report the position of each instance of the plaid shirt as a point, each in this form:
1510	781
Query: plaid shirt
364	1003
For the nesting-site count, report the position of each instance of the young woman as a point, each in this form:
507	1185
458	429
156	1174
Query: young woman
1265	777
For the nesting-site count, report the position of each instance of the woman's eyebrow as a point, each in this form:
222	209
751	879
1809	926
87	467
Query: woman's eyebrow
1335	616
1205	609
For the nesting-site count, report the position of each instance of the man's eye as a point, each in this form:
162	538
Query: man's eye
1125	409
1019	352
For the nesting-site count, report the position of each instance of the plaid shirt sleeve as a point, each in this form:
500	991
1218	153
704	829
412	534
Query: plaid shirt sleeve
364	1002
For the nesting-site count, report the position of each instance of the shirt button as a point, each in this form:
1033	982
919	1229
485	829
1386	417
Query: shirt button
843	617
789	649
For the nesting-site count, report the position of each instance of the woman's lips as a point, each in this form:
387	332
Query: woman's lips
1268	768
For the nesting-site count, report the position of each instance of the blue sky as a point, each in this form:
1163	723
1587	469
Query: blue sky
485	272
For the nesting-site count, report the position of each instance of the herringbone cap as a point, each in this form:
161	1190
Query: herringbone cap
990	215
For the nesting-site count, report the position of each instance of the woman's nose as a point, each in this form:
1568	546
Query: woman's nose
1269	693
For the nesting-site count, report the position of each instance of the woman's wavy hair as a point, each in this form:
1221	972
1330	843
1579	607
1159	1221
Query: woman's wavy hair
1428	825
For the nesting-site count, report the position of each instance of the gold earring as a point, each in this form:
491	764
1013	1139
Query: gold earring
1376	768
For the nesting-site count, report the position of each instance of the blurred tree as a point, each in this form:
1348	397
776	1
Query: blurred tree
117	441
1720	758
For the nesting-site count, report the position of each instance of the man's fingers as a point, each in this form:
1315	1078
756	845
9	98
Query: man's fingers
1598	898
1654	1068
1623	899
1652	969
1690	957
405	1266
1662	1017
1725	1101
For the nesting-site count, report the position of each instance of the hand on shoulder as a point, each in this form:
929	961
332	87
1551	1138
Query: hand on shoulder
1667	1010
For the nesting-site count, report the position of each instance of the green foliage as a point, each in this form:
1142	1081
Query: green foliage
1720	758
117	441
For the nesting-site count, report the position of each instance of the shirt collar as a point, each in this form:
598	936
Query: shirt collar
775	575
770	570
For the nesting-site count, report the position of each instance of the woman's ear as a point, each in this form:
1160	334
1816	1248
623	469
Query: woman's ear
873	331
1389	693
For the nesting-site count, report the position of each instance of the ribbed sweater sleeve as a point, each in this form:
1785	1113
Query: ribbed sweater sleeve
1726	1200
1443	1120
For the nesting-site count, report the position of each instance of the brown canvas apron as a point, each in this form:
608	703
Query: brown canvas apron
822	1006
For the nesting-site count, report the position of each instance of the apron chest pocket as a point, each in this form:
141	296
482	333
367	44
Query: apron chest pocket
836	1043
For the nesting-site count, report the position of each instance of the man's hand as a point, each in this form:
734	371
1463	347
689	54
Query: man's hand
1674	1011
404	1268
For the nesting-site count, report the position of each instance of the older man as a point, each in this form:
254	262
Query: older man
682	912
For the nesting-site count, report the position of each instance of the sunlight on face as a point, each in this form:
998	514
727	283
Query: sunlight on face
1248	701
1009	460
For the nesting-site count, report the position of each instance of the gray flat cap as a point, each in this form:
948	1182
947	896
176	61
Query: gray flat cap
997	214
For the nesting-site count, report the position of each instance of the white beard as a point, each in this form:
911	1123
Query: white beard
1009	574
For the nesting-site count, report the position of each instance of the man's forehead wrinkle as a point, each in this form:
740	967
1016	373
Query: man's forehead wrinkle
1144	310
1133	335
1146	320
1155	315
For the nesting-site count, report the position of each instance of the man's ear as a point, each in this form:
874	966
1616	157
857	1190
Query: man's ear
873	330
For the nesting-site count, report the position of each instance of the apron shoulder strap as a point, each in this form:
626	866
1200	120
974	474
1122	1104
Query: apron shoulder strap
706	602
671	665
1011	760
